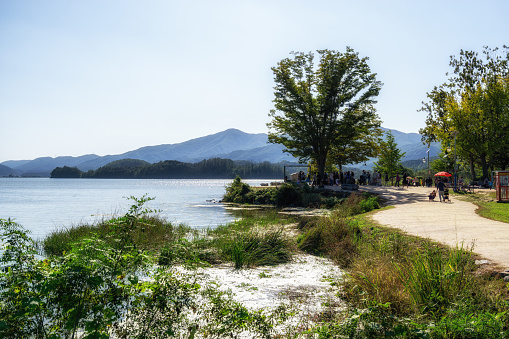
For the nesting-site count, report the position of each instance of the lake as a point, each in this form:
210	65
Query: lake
43	204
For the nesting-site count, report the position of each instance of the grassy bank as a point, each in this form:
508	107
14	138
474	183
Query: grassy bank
288	194
403	286
487	205
395	285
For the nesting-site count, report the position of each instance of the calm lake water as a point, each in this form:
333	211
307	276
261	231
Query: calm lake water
44	204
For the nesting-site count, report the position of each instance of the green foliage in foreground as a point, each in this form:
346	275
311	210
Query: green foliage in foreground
405	287
106	285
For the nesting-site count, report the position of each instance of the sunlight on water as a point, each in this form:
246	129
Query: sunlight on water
43	204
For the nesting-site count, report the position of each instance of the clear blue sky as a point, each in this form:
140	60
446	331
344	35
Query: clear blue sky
106	77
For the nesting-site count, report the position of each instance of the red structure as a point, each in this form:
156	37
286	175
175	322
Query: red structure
502	186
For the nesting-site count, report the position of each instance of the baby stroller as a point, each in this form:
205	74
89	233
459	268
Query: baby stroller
446	195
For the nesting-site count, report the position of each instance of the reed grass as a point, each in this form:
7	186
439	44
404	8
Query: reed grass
151	233
252	241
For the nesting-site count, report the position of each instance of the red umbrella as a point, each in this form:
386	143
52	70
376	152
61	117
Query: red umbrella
443	174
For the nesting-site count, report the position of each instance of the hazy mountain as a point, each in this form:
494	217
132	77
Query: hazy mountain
15	163
411	144
271	153
194	150
201	148
45	165
229	144
6	171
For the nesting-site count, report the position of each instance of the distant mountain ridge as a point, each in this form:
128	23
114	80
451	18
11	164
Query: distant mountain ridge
229	144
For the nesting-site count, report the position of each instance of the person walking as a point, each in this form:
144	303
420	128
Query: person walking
441	189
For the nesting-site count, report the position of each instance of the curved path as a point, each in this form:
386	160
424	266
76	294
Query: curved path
452	223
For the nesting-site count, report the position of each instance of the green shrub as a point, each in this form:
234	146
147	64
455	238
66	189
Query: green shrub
463	322
237	192
288	194
368	204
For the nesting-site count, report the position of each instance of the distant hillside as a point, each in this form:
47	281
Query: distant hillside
194	150
126	163
45	165
5	171
411	144
229	144
271	153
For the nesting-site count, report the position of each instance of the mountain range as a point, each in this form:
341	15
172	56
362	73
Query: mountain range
229	144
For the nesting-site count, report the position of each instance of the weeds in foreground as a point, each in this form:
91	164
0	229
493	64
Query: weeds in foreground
152	234
434	280
427	290
95	291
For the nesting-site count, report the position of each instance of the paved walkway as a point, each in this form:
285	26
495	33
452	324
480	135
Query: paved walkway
452	223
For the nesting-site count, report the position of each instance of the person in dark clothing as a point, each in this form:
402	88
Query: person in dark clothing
441	188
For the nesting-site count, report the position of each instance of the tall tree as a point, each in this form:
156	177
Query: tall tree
389	160
315	108
473	105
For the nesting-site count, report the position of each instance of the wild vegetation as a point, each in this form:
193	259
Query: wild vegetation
103	280
406	287
122	277
287	194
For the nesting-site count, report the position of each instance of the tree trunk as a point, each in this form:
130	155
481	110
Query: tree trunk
472	167
484	165
320	163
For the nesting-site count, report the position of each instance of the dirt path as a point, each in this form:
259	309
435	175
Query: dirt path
453	223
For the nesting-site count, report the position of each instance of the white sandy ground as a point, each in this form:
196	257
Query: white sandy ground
452	223
308	285
306	279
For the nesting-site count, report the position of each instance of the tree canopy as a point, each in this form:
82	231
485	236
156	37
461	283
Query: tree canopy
326	110
473	106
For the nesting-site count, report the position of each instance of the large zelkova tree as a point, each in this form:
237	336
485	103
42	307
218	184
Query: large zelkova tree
390	157
473	106
325	109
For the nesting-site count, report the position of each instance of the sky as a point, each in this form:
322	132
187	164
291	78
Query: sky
109	76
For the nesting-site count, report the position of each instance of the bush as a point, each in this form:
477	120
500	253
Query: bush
288	195
237	192
368	204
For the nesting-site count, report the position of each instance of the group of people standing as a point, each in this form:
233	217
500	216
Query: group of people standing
365	178
340	178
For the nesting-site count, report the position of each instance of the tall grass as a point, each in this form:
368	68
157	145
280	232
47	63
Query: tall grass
151	233
434	279
336	235
403	286
252	241
435	286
